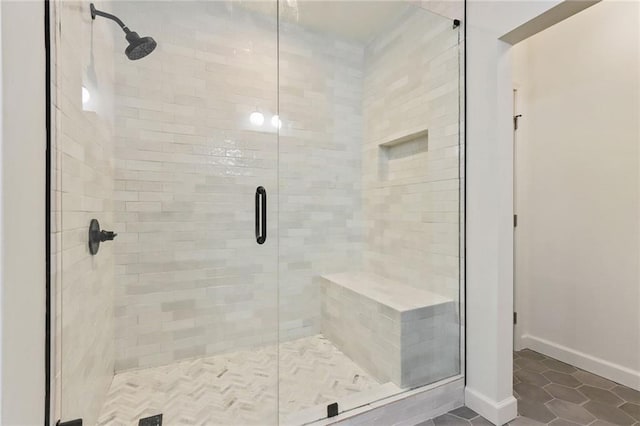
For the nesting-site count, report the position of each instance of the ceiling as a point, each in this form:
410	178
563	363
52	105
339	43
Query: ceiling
351	19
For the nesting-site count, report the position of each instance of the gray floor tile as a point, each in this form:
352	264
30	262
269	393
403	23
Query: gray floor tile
532	377
449	420
578	396
553	393
631	409
481	421
571	412
565	393
628	394
529	364
427	423
528	353
600	395
593	380
523	421
601	423
532	393
535	411
609	413
464	412
562	379
559	366
562	422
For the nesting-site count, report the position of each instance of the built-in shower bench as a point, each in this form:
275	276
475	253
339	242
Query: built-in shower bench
397	333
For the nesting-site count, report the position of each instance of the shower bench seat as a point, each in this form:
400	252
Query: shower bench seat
397	333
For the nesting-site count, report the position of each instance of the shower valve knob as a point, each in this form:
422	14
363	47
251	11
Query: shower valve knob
107	235
97	236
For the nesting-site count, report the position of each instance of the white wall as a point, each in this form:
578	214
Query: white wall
490	194
22	276
489	205
577	247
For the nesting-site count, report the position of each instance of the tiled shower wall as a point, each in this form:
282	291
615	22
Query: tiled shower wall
82	185
319	169
191	279
411	185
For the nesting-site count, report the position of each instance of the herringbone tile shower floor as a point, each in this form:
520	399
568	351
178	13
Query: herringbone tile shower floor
237	388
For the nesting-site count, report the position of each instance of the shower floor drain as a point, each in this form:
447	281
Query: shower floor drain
151	421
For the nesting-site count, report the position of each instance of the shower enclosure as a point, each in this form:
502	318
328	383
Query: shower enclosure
284	184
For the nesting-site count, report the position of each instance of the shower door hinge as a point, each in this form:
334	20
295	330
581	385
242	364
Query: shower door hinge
515	318
515	121
332	410
151	421
76	422
515	220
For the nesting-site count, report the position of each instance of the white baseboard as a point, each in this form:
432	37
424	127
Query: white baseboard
599	366
518	344
497	412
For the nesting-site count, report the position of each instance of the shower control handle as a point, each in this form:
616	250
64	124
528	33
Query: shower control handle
107	235
261	215
97	236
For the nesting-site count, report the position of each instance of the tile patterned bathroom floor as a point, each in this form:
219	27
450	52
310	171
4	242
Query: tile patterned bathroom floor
237	388
240	388
550	392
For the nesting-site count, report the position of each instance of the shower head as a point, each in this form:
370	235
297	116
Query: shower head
139	47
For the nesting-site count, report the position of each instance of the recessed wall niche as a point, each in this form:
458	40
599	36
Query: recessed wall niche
401	155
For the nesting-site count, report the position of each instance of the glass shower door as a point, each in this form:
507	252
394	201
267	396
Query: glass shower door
369	211
176	153
279	186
